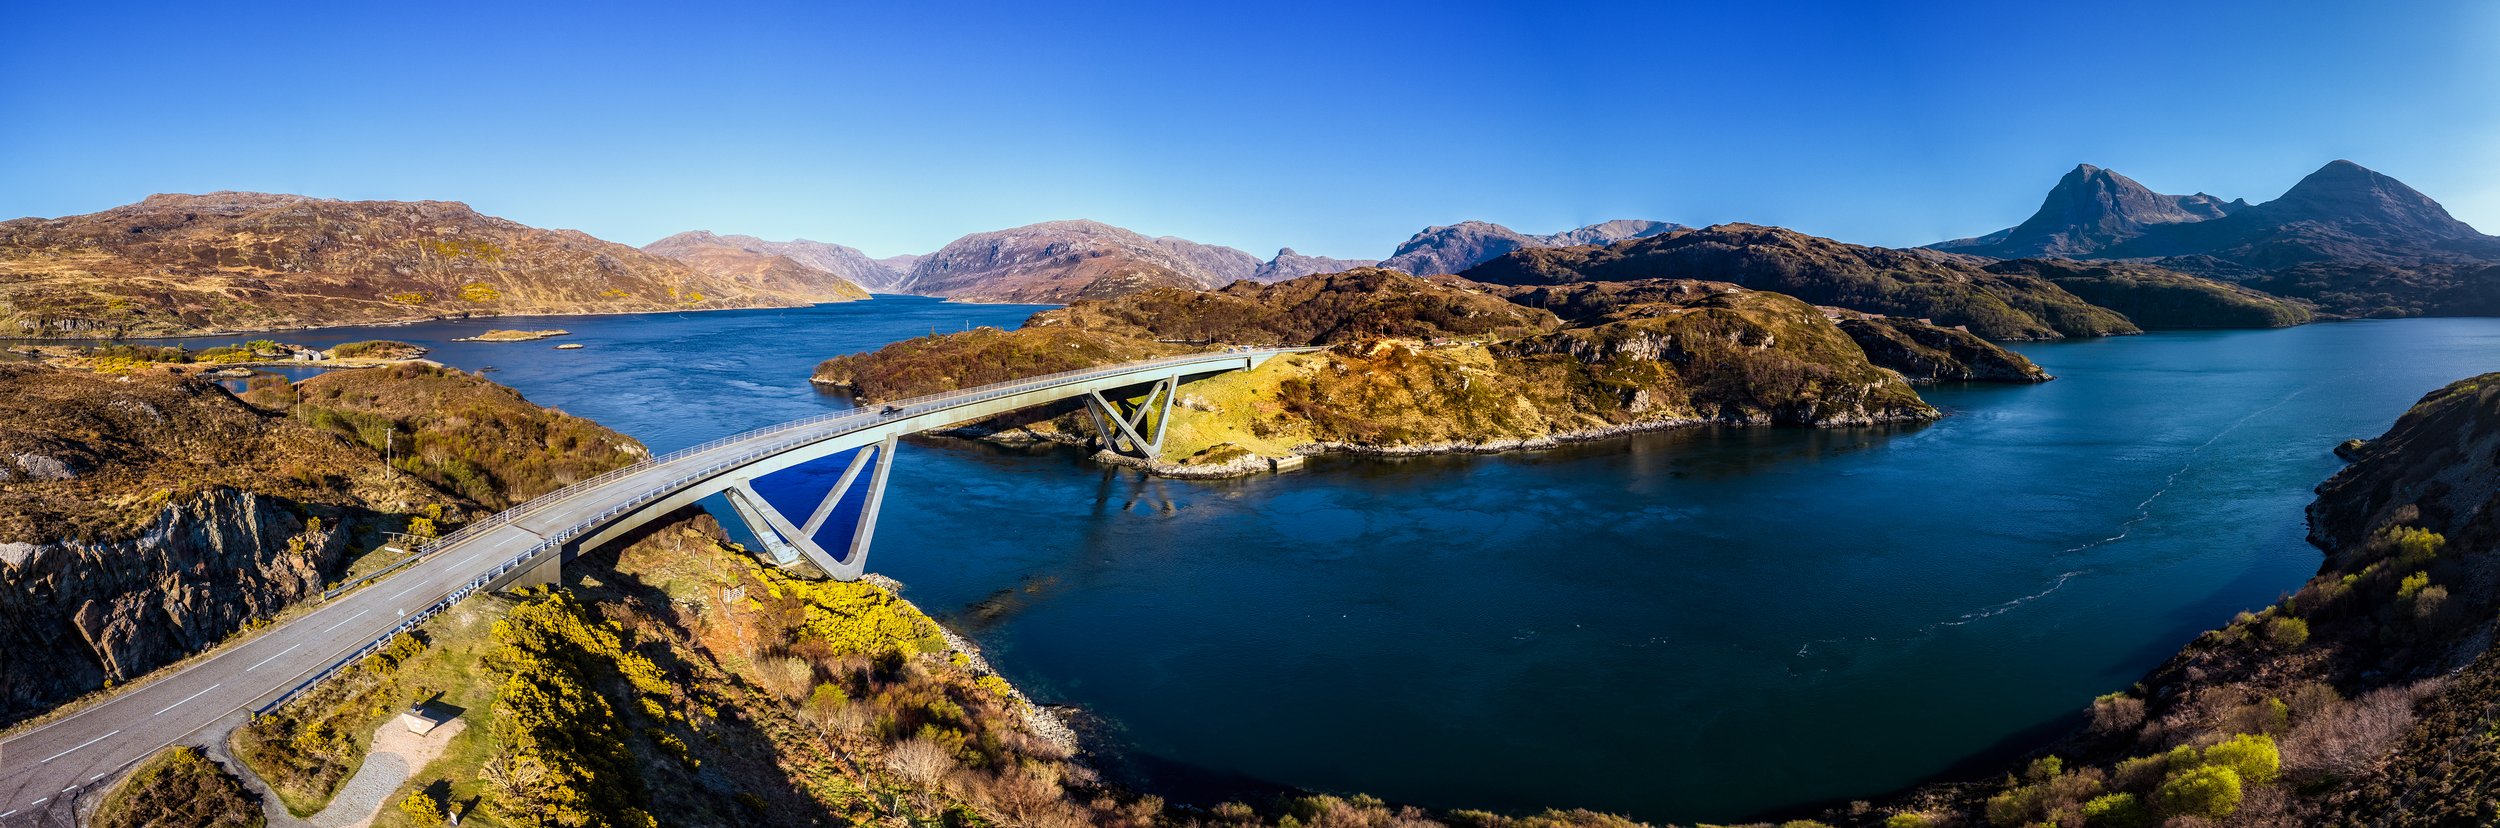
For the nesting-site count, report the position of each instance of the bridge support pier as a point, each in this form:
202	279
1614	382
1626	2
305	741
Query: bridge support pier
1134	429
787	544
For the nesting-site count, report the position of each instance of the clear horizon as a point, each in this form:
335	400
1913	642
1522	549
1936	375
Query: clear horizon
1334	130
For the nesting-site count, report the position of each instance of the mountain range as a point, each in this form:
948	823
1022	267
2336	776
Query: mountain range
2351	240
2344	241
729	257
177	264
1457	247
836	261
1061	261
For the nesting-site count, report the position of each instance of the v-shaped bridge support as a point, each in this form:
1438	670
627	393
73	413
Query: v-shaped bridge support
788	544
1124	427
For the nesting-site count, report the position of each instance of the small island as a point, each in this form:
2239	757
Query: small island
232	360
514	336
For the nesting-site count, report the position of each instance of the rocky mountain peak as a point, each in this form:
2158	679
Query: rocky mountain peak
1291	264
1452	248
2090	209
2348	193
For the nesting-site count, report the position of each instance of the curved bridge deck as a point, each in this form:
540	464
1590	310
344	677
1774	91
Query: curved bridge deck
43	771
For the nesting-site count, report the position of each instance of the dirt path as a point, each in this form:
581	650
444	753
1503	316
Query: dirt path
395	754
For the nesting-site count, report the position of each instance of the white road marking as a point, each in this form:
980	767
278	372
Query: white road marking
359	614
7	815
38	802
190	697
289	649
97	776
69	789
75	749
411	588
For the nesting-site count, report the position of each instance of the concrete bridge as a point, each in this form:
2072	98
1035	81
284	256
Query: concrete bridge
47	772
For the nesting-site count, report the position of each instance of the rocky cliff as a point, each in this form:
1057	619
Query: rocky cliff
145	518
175	264
815	270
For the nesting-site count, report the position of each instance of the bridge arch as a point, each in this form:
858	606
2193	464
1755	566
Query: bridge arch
871	436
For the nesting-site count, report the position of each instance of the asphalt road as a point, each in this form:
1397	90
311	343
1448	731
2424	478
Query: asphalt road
42	770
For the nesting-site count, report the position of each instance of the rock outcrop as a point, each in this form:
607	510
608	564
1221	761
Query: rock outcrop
145	518
183	264
78	614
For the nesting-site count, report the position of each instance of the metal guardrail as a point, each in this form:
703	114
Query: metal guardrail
902	409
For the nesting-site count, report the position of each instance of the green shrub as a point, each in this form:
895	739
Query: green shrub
2412	584
2415	546
2209	792
2287	632
2118	810
2253	757
422	810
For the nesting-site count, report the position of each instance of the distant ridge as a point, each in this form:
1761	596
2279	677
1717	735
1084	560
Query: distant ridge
1291	265
845	262
749	260
1060	261
228	261
2352	240
1457	247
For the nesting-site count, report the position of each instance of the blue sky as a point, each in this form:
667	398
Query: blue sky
1337	128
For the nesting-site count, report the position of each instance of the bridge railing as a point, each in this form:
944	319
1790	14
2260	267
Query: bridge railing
907	407
554	543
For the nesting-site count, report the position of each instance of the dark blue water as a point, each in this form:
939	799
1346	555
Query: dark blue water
1700	625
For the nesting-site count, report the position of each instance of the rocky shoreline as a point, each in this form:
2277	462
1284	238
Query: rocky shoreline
1249	464
1037	718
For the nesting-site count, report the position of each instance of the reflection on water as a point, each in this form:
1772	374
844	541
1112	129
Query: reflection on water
1693	625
